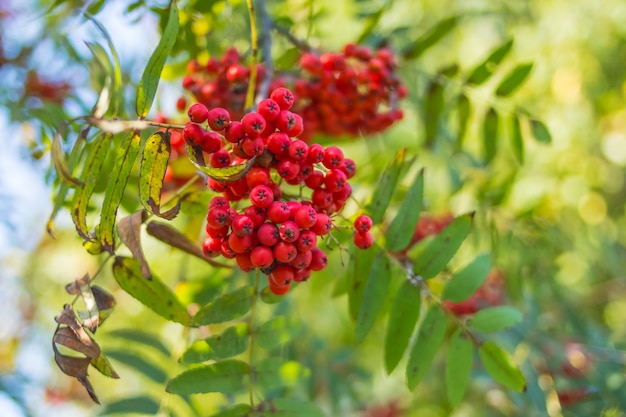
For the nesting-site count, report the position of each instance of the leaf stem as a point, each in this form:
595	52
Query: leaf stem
254	45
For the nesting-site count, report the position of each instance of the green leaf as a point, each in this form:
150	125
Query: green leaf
458	366
385	187
140	364
228	307
494	319
490	134
151	293
436	33
463	108
438	251
465	282
402	226
156	154
139	405
403	317
278	331
231	342
517	143
227	174
286	407
357	274
429	337
372	22
500	366
275	373
102	364
124	161
227	377
240	410
138	336
433	107
60	163
483	71
514	80
374	296
152	72
540	131
91	171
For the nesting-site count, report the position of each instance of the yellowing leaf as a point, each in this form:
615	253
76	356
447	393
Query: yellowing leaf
156	154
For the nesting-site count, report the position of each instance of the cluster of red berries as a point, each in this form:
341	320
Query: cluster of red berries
348	93
278	231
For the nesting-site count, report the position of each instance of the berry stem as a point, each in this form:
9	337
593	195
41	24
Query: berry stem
253	63
266	41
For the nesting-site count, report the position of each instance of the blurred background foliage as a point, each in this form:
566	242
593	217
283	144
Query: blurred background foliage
556	222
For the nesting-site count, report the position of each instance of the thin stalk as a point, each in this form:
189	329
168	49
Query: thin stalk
254	47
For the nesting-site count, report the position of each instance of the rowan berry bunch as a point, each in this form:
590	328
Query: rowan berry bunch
352	92
273	216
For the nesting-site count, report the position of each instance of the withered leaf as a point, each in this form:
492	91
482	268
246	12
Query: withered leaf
105	302
129	229
68	318
102	364
169	235
66	337
76	367
81	286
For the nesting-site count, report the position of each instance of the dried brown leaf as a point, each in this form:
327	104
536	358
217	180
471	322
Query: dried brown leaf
81	286
167	234
129	229
68	318
66	337
105	302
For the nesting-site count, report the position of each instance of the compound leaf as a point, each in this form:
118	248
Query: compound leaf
500	366
404	314
228	307
465	282
429	337
227	377
494	319
458	366
514	80
374	295
385	187
401	228
482	72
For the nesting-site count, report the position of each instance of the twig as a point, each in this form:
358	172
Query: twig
254	44
266	41
300	44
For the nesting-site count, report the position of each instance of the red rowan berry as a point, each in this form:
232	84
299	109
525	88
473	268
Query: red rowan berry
253	123
262	256
298	150
334	180
302	260
257	176
198	113
227	252
252	146
220	159
314	180
278	143
323	225
319	260
285	252
244	262
258	215
242	225
261	196
278	212
316	153
289	231
284	97
306	241
363	223
218	217
193	134
211	247
288	169
333	157
278	289
239	244
305	216
269	109
219	202
220	233
181	104
218	118
268	234
302	275
321	198
363	240
348	166
211	142
234	132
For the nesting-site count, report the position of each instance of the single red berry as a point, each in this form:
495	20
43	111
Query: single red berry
236	73
348	166
239	244
323	225
242	225
218	217
211	247
319	260
306	241
363	223
302	275
267	234
219	202
334	180
316	153
239	187
314	180
252	146
278	212
227	252
333	157
285	252
321	198
220	233
269	109
343	194
193	134
258	215
218	118
298	150
220	159
262	256
257	176
234	132
363	240
181	104
284	97
198	113
278	143
215	185
211	142
278	289
302	260
289	123
289	231
253	123
244	262
288	169
261	196
305	216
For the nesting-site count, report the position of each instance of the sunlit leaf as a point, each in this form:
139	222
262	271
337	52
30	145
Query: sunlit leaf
403	318
438	252
517	142
151	293
274	373
500	366
372	22
465	282
485	69
140	363
60	162
124	161
240	410
540	131
115	126
357	274
129	230
90	173
490	134
430	38
102	364
152	73
494	319
139	405
227	174
463	108
514	80
228	307
104	98
385	188
169	235
227	377
156	154
286	407
374	295
231	342
433	108
429	337
278	331
458	366
402	226
81	286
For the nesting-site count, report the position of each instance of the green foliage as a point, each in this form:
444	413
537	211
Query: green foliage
495	318
229	306
226	377
374	295
403	318
429	337
385	187
500	366
465	282
458	366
